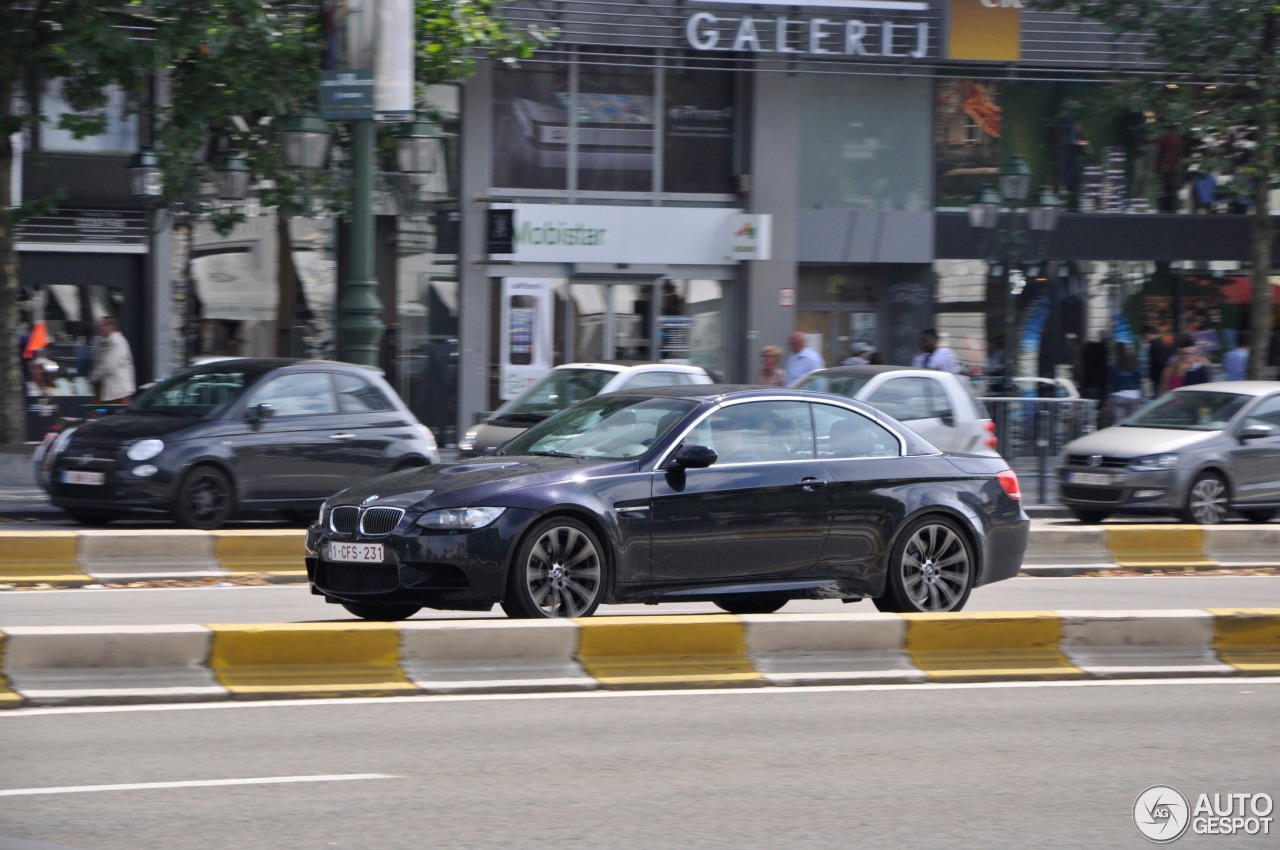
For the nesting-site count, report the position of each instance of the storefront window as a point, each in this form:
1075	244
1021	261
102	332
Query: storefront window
698	131
864	143
615	129
531	128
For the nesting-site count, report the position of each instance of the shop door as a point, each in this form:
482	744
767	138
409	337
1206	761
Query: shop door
611	320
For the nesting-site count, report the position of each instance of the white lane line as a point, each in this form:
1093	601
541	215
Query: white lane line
194	783
773	691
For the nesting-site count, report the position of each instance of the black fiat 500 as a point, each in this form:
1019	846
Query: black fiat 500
746	497
233	436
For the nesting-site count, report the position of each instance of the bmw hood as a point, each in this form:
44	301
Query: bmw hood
472	482
1127	442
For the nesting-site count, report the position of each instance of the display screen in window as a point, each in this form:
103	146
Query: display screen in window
698	132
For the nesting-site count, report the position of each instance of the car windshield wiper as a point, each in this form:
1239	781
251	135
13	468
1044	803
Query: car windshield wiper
554	453
520	417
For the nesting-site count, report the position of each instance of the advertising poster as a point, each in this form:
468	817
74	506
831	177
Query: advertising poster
524	347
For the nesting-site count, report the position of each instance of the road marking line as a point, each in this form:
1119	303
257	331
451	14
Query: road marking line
194	783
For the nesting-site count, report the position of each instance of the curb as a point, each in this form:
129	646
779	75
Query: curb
150	664
77	558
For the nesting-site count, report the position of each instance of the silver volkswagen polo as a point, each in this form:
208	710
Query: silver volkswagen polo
1196	453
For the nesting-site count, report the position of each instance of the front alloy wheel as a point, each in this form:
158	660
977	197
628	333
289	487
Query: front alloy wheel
931	570
1207	501
205	499
558	571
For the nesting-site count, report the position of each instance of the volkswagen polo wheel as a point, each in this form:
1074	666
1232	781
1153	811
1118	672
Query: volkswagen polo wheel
931	569
1207	500
558	571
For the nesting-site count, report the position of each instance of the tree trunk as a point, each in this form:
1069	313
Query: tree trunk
1263	230
13	413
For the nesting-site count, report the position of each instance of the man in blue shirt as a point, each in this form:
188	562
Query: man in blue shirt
1235	363
803	359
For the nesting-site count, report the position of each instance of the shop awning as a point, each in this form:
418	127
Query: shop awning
231	286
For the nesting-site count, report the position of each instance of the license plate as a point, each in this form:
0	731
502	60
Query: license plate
75	476
354	552
1098	478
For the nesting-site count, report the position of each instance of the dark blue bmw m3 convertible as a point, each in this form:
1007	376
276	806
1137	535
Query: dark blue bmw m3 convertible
744	496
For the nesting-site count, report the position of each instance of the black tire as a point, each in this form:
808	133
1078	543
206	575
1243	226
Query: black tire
1208	500
382	612
206	499
1259	515
1089	517
751	603
931	569
89	518
559	570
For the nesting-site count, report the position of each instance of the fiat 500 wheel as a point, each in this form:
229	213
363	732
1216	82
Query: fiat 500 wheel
205	499
558	571
931	569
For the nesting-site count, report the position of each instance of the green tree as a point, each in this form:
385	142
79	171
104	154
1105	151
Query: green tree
231	68
1218	77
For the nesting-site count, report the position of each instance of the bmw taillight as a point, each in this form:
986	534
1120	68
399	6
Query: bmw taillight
1009	481
992	442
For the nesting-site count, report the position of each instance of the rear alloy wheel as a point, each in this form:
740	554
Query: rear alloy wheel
558	571
1259	515
751	603
931	569
382	612
1207	500
205	499
1089	517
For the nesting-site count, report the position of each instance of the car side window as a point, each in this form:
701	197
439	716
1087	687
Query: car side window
298	394
906	399
1267	413
843	434
757	431
356	395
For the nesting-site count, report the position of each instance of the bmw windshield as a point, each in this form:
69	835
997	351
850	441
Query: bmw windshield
608	427
1193	410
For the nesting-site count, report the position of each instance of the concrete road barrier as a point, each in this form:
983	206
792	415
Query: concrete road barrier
57	666
44	557
117	555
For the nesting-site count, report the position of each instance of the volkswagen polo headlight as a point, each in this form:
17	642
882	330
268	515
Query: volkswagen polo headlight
1154	463
459	519
145	449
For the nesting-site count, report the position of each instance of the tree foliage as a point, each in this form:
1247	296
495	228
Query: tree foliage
227	72
1217	81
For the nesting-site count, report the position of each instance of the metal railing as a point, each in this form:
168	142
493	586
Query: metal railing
1030	434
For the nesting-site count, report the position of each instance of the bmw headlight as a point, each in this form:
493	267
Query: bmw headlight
468	441
145	449
1154	463
324	510
459	519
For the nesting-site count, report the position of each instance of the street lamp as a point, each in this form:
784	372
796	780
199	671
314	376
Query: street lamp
146	182
1008	221
421	162
305	140
233	177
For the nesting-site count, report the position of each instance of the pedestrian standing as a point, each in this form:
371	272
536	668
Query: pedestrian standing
859	355
803	359
771	374
934	356
112	375
1235	363
1158	355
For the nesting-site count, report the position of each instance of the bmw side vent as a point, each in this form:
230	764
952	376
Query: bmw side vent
343	519
379	521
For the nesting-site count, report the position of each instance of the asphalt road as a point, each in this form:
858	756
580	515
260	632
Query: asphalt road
1035	765
294	603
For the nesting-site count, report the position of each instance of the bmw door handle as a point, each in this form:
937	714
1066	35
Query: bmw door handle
342	438
811	484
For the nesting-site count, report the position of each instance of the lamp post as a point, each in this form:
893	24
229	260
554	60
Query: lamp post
1009	223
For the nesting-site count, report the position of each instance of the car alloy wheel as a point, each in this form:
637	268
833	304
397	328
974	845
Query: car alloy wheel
558	572
205	499
932	569
1207	501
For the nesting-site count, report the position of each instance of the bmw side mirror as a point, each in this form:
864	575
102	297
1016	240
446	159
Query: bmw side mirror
1256	432
695	457
261	412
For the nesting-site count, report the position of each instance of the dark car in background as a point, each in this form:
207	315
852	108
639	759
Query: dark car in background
233	436
743	496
